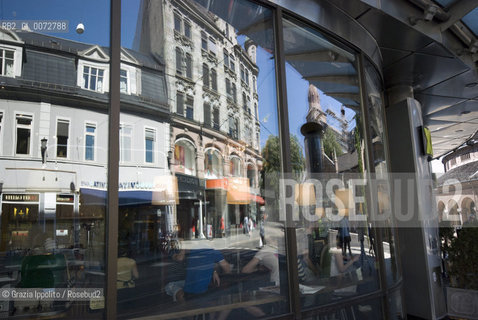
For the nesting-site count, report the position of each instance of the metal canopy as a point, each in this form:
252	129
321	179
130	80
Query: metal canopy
431	46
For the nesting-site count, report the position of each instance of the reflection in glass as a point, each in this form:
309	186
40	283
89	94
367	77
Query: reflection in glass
336	254
192	216
53	162
383	189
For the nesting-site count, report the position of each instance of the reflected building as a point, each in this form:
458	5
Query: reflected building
460	165
54	130
111	185
211	76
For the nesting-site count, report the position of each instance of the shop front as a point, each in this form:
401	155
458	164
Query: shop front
192	209
48	211
230	201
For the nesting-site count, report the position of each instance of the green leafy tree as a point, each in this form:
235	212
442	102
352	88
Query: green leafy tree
272	167
330	144
271	155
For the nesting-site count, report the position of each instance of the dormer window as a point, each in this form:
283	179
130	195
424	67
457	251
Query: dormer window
7	62
93	78
93	72
123	81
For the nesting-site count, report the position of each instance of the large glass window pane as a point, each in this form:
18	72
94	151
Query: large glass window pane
383	186
195	215
335	251
54	165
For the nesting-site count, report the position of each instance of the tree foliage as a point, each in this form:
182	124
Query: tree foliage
331	144
271	155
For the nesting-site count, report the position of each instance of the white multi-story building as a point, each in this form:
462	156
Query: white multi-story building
211	76
54	137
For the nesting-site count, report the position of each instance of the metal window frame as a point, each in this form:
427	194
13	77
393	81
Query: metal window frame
111	232
369	159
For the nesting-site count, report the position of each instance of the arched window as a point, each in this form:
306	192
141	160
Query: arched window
213	164
235	166
185	157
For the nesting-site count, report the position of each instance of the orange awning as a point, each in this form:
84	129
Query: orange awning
258	199
238	191
217	184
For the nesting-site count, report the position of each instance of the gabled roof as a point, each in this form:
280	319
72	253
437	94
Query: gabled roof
9	36
86	50
95	53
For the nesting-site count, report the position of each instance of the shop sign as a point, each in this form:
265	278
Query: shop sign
124	185
189	183
135	185
20	233
18	197
94	184
65	198
61	232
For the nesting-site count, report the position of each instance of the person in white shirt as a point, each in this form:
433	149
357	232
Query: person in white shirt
267	257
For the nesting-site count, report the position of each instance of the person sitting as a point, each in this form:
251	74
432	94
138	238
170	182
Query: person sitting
200	271
127	271
267	257
337	265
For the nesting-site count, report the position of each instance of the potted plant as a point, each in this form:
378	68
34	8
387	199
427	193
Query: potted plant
462	267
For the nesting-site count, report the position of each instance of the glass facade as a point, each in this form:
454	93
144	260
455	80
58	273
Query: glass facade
336	251
53	174
210	205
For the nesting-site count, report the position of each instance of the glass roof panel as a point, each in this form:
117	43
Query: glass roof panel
471	21
446	3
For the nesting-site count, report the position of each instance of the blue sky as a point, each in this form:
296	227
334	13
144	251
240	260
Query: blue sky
94	14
